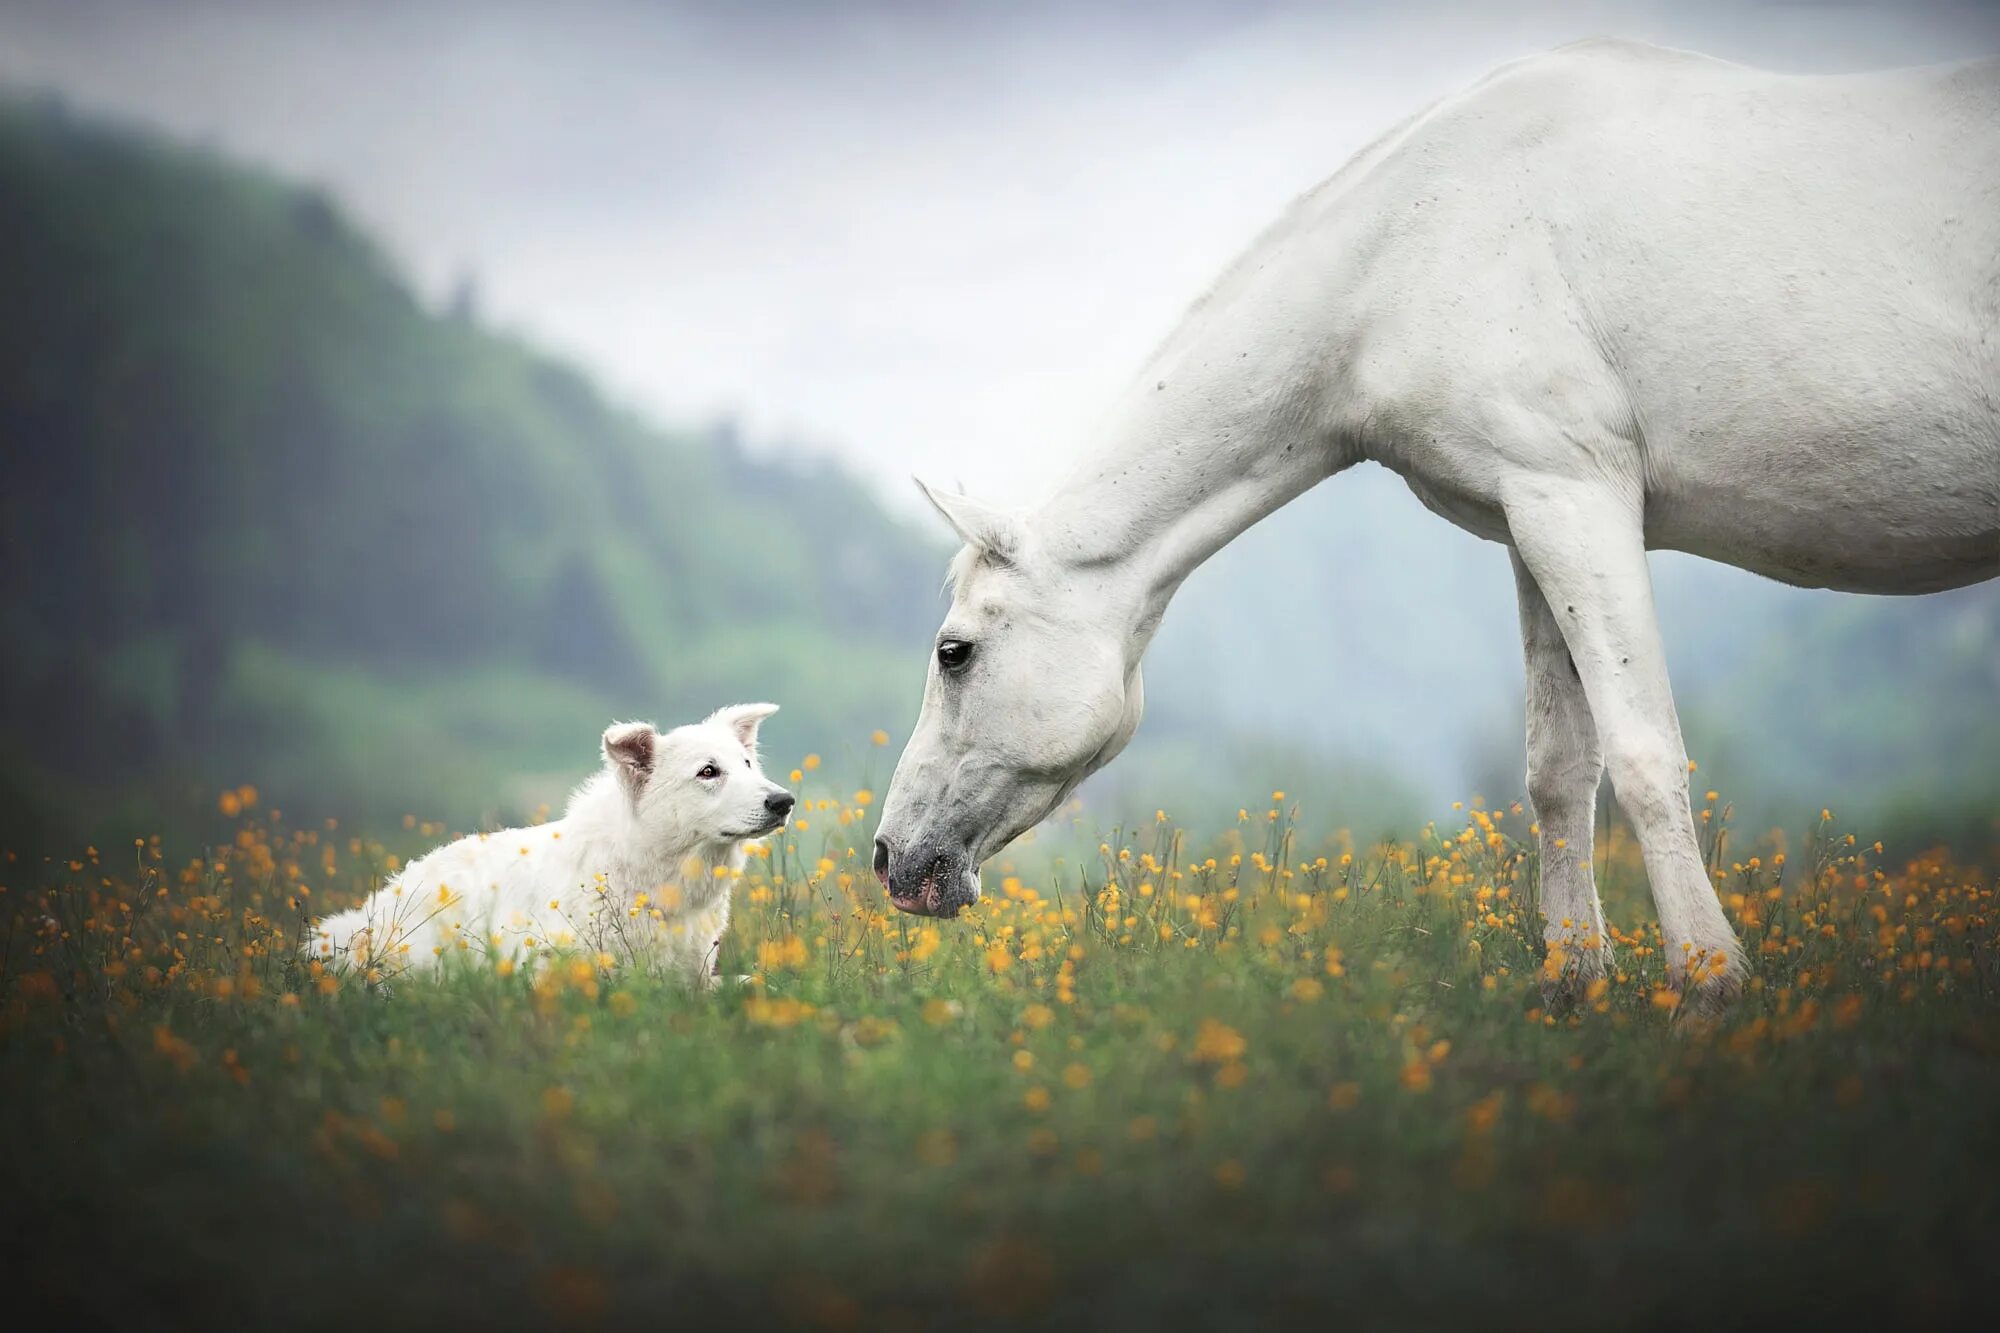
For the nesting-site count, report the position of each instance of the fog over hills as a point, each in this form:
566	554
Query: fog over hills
940	239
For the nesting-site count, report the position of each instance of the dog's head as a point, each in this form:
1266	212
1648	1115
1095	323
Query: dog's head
699	784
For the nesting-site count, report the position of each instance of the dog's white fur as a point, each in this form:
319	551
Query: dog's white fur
638	867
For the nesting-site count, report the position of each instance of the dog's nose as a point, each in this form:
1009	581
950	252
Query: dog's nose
780	802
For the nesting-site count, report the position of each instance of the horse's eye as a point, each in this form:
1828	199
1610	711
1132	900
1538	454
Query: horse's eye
953	654
709	771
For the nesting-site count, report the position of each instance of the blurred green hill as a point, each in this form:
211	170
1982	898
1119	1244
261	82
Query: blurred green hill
268	519
1887	709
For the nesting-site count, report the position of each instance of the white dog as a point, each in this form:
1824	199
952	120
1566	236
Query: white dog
638	867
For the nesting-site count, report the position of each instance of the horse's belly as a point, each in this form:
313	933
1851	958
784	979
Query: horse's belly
1887	528
1855	538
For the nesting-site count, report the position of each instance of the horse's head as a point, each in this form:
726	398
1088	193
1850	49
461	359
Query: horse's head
1033	686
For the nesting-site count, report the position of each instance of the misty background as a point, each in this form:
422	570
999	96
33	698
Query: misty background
392	395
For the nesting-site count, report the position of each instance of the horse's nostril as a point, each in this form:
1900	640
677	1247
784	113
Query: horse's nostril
780	802
882	860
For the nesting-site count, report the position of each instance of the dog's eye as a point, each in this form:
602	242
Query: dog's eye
953	654
709	771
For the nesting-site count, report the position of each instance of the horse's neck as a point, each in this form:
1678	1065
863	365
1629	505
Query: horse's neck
1193	458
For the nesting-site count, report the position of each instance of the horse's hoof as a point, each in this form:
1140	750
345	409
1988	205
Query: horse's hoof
1708	986
1567	985
1710	996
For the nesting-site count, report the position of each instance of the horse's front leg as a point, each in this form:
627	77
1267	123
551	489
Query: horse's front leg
1584	544
1565	765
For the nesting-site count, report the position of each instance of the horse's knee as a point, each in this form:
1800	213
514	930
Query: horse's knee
1650	778
1560	787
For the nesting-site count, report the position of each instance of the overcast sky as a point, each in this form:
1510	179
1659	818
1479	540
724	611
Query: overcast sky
927	236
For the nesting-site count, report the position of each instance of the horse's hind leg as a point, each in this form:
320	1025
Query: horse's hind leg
1584	544
1565	765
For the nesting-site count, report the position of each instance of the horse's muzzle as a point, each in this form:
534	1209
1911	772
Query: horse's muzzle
926	881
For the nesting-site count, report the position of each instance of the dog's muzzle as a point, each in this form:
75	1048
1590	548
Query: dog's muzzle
777	811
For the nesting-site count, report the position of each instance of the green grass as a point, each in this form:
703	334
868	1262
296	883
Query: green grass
1042	1112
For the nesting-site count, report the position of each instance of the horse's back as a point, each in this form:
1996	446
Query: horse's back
1781	290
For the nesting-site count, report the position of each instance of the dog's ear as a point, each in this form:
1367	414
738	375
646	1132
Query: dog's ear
629	746
980	526
744	719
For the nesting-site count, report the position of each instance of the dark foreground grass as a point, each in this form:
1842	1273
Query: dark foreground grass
1287	1085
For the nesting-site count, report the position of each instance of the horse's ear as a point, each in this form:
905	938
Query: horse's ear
994	531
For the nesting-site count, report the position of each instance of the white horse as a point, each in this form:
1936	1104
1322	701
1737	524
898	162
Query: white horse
1609	298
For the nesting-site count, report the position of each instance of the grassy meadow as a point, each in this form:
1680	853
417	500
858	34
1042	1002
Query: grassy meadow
1229	1077
276	513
